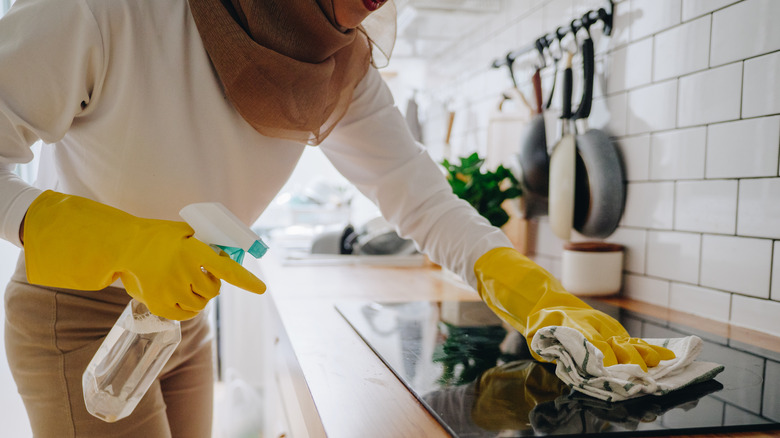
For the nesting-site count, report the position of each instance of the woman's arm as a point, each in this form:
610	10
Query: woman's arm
373	148
51	64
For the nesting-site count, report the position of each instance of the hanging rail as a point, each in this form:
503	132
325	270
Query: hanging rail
544	41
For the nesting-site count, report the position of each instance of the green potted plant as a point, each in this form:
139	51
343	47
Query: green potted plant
485	190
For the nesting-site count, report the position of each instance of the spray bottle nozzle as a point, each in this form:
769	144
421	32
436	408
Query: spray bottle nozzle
219	227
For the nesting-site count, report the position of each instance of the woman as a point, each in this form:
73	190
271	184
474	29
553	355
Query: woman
149	105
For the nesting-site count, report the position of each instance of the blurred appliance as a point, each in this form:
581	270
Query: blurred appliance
375	237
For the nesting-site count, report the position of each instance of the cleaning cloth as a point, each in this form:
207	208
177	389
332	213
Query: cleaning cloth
581	365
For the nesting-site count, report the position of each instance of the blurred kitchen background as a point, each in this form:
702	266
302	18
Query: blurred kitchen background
688	89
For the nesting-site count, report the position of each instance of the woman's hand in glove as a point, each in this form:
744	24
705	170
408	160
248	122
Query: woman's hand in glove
75	243
529	298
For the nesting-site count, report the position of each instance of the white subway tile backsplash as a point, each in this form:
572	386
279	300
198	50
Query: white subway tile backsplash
646	289
710	96
695	8
700	301
639	63
736	264
678	154
652	108
673	255
649	205
557	13
745	148
583	6
516	9
761	90
652	16
617	69
600	77
634	244
531	27
706	206
621	25
681	50
635	154
759	208
755	314
744	30
547	243
689	90
609	114
775	294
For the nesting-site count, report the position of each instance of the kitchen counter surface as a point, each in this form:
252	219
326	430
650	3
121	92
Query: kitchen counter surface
344	389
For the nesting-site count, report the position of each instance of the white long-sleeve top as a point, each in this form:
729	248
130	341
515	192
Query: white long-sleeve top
133	115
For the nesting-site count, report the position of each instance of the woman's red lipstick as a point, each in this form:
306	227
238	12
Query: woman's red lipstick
373	5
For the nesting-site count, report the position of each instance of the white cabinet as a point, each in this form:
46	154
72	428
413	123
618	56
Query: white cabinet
290	411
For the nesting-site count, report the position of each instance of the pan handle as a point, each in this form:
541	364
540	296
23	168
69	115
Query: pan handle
588	70
567	88
559	34
537	82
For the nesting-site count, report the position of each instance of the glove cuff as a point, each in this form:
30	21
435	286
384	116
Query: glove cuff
57	229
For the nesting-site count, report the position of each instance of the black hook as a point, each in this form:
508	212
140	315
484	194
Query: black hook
510	60
540	44
586	23
606	17
560	33
574	29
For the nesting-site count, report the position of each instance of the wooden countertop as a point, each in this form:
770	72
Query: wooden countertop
353	391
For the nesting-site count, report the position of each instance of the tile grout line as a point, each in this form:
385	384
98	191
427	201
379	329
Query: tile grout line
772	259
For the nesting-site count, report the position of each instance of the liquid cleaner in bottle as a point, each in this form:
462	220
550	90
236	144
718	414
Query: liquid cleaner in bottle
140	343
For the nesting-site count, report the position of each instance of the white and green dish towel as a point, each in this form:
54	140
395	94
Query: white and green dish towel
581	365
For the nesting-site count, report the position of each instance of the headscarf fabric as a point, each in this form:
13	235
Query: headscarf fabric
286	66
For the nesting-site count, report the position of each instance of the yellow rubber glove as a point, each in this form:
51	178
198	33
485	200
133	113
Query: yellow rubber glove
76	243
529	298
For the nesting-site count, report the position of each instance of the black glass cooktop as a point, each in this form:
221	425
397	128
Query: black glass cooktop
478	379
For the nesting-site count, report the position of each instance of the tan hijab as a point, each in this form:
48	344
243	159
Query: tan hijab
286	65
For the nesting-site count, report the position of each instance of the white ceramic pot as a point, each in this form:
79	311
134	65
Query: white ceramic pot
592	268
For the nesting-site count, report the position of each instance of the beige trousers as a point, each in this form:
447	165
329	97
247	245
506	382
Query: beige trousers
50	337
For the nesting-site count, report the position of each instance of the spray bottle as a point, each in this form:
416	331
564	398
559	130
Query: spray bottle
140	343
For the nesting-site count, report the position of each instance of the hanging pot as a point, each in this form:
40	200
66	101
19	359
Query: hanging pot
600	191
533	159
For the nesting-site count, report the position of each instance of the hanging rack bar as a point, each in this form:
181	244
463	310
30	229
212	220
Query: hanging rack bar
544	41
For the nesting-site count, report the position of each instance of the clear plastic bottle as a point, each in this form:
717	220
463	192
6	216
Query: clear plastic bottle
127	362
140	343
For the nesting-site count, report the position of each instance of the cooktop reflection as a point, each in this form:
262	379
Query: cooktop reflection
476	376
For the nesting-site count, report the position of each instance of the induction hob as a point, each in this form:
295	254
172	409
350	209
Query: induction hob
476	376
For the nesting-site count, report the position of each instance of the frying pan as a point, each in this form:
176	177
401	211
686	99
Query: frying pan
562	167
533	151
533	159
600	191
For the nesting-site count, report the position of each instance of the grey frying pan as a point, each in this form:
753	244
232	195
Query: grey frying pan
600	192
533	151
533	159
